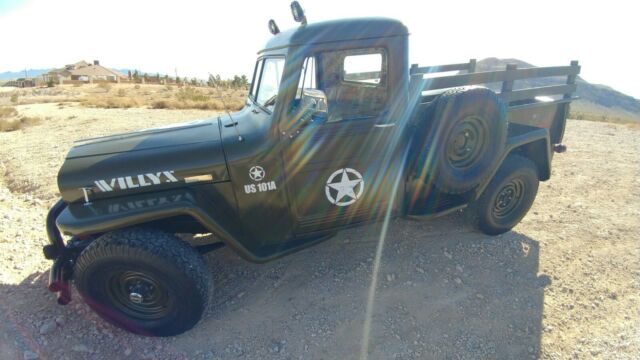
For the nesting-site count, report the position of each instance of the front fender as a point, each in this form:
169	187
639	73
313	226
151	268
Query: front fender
210	209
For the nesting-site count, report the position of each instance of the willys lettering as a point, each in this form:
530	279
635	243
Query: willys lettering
136	181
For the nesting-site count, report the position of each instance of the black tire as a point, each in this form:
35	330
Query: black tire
144	281
507	198
469	132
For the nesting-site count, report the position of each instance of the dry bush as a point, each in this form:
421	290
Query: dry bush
191	98
188	104
110	102
7	111
579	115
164	97
15	123
105	86
190	94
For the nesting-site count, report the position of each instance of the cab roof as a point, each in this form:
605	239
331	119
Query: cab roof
337	30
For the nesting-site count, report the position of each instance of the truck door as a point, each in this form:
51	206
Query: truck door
340	169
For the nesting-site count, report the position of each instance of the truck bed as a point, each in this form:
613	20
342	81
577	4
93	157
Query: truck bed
542	107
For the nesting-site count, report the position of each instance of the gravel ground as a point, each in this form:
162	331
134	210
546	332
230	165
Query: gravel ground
563	284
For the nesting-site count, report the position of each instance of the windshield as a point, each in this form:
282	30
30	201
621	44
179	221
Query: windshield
267	79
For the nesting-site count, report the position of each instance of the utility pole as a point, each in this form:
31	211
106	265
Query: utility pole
25	73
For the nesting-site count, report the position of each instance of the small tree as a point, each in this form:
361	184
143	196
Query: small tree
129	74
136	75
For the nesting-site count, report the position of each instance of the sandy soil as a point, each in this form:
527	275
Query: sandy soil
563	284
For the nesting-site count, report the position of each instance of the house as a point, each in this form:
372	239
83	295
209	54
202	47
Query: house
83	71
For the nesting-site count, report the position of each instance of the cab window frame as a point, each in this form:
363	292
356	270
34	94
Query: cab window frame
384	65
258	72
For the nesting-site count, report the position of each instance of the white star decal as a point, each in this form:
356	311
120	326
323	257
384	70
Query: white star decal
256	173
345	187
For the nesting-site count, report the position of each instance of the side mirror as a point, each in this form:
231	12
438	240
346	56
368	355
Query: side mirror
314	103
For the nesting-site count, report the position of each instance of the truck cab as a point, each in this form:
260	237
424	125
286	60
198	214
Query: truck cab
357	70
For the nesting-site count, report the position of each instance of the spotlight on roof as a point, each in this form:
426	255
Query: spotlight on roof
273	28
298	13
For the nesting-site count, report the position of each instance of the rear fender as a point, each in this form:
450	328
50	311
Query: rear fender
530	142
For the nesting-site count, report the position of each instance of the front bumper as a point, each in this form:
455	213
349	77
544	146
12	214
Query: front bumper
63	256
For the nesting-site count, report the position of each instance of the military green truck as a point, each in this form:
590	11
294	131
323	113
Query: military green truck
338	130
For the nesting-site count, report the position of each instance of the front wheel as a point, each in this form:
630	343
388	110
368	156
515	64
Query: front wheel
144	281
507	198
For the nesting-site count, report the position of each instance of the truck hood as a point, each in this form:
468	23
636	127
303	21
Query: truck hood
146	160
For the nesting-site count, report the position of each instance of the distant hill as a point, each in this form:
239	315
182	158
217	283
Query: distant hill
12	75
595	99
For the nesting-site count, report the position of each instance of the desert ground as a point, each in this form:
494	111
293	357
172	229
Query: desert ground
564	284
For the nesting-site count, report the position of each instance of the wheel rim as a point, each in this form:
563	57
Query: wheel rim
467	142
509	198
138	295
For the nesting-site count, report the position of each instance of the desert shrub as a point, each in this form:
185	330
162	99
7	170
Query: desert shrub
122	92
209	104
14	123
7	111
14	98
137	87
110	102
191	94
105	86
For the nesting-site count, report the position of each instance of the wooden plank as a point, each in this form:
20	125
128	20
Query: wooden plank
507	85
438	68
469	67
545	72
525	94
571	79
497	76
472	66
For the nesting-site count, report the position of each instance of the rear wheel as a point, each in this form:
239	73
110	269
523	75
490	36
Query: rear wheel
145	281
507	198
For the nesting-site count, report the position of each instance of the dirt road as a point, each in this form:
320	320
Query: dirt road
563	284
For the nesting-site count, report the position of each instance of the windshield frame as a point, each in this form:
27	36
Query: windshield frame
257	80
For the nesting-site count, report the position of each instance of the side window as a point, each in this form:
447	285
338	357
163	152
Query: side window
308	76
362	68
355	82
270	82
254	81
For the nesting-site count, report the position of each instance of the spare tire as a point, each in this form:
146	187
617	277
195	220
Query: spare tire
468	134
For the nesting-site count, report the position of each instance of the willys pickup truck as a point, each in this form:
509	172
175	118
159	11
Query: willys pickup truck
338	130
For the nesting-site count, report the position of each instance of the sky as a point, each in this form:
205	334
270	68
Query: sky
222	37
